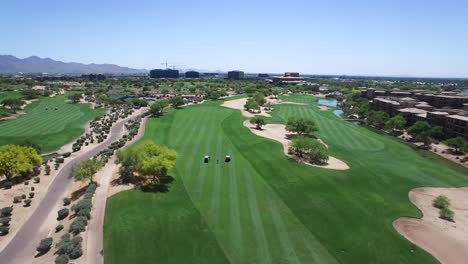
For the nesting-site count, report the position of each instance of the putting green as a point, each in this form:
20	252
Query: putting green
50	122
262	207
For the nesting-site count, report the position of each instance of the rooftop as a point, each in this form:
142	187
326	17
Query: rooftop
412	110
459	117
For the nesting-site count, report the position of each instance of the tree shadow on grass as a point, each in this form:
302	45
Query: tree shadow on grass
159	187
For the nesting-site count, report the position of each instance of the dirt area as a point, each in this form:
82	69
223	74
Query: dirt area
239	105
440	149
19	112
323	108
20	213
446	241
278	133
49	257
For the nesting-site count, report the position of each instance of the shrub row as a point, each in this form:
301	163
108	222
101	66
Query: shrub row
68	248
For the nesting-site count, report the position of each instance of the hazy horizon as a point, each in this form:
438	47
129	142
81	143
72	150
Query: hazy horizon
363	38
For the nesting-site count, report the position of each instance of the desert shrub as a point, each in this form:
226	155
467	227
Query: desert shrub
37	180
58	228
26	183
27	202
59	160
56	166
32	188
78	225
17	199
23	196
44	245
83	204
6	211
62	213
85	212
7	185
4	230
446	213
5	221
66	201
77	250
66	154
31	195
441	202
47	170
62	259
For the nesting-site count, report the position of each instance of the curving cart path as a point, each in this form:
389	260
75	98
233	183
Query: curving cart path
23	245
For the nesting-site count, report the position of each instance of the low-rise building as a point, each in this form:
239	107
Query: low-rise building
167	73
413	114
457	125
192	74
235	75
437	118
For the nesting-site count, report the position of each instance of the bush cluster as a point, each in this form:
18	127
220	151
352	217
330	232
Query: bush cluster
82	210
62	213
69	248
442	202
44	245
5	218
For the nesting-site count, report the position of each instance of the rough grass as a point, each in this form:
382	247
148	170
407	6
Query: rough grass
49	128
262	207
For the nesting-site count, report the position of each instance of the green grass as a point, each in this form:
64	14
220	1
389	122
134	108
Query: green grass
10	94
264	208
49	128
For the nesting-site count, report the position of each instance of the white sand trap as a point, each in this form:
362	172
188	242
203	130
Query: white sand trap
323	108
239	105
446	241
278	132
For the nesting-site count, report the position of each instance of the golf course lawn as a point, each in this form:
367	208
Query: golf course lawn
46	126
262	207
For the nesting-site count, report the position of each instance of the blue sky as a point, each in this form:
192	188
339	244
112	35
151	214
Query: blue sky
365	37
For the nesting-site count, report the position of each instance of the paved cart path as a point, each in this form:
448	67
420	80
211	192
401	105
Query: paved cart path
95	239
23	245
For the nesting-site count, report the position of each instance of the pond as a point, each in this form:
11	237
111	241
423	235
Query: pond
328	102
331	103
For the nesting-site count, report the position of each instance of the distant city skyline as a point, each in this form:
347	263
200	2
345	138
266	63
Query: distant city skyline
366	38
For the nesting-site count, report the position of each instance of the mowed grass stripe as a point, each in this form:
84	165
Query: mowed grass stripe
263	253
235	228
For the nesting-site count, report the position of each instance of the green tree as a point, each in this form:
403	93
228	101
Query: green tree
420	127
301	125
75	97
457	143
149	160
86	170
17	159
421	132
157	108
258	121
301	145
318	154
377	119
177	101
259	98
13	103
251	104
396	122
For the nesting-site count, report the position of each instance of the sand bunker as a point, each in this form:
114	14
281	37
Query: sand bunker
446	241
278	132
239	105
323	108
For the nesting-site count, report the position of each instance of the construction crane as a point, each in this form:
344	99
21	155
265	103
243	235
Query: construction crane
165	63
174	66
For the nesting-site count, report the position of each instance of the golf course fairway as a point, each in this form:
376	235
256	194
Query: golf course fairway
264	208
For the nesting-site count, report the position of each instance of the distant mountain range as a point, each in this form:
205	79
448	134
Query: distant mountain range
13	65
